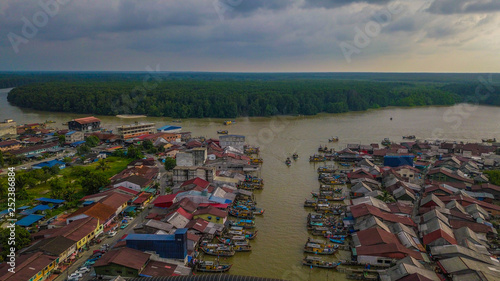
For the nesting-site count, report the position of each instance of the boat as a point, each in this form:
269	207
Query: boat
317	158
314	261
223	251
256	160
319	249
242	246
241	213
49	121
222	132
409	137
333	139
338	198
386	142
212	266
337	241
295	156
243	223
229	122
231	240
490	140
288	162
248	235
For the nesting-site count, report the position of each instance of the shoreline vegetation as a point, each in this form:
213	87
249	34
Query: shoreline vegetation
205	96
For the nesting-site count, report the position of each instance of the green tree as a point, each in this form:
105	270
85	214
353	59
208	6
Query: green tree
62	139
147	145
92	141
93	181
386	197
170	163
102	165
134	152
22	238
83	149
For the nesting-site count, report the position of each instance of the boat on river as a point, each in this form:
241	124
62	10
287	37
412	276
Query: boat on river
490	140
212	266
247	224
288	162
314	261
409	137
242	246
333	139
239	231
337	241
319	249
222	132
241	213
223	251
317	158
295	156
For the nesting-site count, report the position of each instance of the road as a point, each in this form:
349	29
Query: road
107	240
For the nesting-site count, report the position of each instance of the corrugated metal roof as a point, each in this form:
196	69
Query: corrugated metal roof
29	220
212	277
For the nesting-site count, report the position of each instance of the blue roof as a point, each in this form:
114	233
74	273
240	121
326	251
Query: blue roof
6	211
151	237
24	207
49	200
42	207
219	200
169	128
29	220
49	164
76	143
70	133
86	203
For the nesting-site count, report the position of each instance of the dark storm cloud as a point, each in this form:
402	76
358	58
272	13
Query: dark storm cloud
464	6
330	4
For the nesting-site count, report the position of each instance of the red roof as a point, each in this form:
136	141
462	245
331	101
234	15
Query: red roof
96	210
116	200
158	269
87	120
486	186
197	224
365	209
399	207
197	181
466	201
446	172
216	205
169	198
210	210
142	198
476	227
433	236
392	250
375	236
128	190
184	213
127	257
414	277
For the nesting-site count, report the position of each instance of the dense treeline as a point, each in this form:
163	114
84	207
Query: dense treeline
197	98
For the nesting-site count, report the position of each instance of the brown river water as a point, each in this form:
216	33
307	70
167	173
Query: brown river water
277	250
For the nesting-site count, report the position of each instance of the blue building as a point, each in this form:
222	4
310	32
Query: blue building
166	246
169	129
398	160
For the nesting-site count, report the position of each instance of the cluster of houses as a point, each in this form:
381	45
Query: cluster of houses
424	211
205	183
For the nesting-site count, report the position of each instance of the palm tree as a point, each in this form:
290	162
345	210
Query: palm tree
386	197
102	165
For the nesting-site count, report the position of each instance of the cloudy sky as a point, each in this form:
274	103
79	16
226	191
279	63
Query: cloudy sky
251	35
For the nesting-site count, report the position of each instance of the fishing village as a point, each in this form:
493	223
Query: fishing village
177	204
413	210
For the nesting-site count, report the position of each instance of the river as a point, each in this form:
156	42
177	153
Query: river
277	251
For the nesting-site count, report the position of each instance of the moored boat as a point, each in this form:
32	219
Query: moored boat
333	139
212	266
337	241
319	249
318	262
222	132
288	162
242	247
295	156
409	137
243	223
223	251
490	140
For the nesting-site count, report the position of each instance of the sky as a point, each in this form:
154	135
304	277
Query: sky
250	35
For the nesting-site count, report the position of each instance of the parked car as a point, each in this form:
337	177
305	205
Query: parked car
123	225
83	270
112	233
76	275
129	218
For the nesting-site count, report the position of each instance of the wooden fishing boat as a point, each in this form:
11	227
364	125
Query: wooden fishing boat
339	198
249	150
310	203
247	224
222	132
490	140
248	234
256	160
240	213
336	236
321	231
288	162
319	249
228	122
337	241
409	137
223	251
231	240
212	266
242	247
317	158
333	139
295	156
326	169
314	261
386	142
